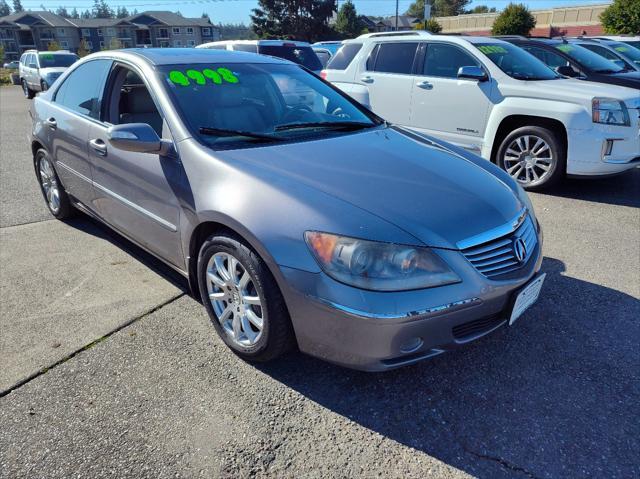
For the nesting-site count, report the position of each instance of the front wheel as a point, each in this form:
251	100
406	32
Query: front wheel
243	300
44	86
52	190
534	156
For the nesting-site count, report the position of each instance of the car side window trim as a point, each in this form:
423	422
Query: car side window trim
423	59
379	46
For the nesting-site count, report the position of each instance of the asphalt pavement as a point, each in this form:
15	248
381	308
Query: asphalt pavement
108	368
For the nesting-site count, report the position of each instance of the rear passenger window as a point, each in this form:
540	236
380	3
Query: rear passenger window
245	48
395	57
82	89
549	58
344	56
444	60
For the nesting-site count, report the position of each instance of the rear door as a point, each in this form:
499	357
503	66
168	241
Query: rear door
75	108
388	77
445	106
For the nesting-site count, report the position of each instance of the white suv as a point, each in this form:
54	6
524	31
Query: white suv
493	98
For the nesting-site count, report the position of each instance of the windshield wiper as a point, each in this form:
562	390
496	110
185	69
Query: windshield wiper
354	125
205	130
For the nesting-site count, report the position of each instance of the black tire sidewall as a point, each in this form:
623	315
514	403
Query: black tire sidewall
558	166
248	260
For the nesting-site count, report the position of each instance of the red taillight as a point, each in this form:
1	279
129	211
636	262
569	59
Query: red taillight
323	74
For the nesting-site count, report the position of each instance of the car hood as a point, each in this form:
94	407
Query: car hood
50	70
566	90
435	195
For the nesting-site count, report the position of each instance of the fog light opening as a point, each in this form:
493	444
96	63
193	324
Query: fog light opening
411	345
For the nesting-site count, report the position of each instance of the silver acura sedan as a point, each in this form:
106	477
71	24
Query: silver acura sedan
302	223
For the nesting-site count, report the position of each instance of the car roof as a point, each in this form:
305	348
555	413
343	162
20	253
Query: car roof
276	43
419	35
543	41
177	56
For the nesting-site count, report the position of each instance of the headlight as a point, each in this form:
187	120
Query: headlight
378	266
609	112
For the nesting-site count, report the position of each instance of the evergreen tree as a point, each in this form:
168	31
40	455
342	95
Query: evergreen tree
4	8
86	14
17	6
347	22
122	12
101	9
74	13
62	11
439	8
297	19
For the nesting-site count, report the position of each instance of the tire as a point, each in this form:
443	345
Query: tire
534	156
227	308
52	190
43	86
28	92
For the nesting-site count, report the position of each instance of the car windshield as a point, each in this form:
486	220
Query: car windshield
304	56
516	62
627	51
588	59
48	60
237	105
633	43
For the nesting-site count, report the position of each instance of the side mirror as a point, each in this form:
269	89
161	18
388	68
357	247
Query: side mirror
138	138
472	73
567	71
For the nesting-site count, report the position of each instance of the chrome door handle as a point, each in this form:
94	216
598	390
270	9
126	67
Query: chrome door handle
425	85
99	146
366	79
51	123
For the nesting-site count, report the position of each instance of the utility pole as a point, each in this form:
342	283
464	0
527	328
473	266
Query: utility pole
397	15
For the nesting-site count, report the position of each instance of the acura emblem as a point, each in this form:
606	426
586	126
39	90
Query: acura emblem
520	249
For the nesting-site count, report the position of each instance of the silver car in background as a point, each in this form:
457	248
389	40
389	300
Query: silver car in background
38	70
320	227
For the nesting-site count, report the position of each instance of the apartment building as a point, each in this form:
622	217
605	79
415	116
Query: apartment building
37	29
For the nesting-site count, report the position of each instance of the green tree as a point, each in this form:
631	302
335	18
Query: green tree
62	11
4	8
516	19
439	8
347	21
86	14
1	53
53	46
102	10
122	12
74	13
83	48
622	16
17	6
298	19
482	9
431	25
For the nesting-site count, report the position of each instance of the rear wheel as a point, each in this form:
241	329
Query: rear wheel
43	86
52	190
28	92
534	156
243	300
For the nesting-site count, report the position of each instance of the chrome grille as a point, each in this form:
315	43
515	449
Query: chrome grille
498	256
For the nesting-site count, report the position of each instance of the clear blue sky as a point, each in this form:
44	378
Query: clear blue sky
235	11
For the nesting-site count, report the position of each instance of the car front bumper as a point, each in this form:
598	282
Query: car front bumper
376	331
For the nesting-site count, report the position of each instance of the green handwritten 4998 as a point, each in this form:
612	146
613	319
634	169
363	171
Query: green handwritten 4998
200	77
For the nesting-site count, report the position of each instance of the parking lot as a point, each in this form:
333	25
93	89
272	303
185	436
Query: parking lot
110	368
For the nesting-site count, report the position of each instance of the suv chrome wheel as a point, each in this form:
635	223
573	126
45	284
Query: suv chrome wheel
529	159
49	184
235	299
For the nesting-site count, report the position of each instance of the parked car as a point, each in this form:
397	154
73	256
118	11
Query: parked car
632	40
39	69
494	98
622	54
362	243
575	61
323	55
333	46
11	65
297	52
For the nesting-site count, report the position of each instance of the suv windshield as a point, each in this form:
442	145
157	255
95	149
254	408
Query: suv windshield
235	105
628	51
588	59
304	56
48	60
515	62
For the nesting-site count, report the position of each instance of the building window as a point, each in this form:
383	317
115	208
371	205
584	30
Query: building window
177	43
163	33
191	43
99	32
101	45
176	30
64	44
86	32
111	31
164	44
124	33
189	30
206	31
61	32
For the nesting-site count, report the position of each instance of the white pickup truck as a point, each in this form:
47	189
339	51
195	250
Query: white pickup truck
493	98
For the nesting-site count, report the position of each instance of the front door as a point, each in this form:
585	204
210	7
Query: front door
445	106
388	78
135	191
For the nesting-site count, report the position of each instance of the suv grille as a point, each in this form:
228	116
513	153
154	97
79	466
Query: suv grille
500	255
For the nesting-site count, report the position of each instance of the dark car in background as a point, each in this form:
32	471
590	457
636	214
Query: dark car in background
575	61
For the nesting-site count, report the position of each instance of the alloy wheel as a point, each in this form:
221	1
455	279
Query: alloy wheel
237	304
529	160
49	184
25	88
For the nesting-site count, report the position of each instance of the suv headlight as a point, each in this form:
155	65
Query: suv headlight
378	266
609	112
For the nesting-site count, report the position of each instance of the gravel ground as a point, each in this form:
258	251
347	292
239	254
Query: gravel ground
555	396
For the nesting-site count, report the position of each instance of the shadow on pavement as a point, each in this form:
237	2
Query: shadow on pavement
623	189
552	396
